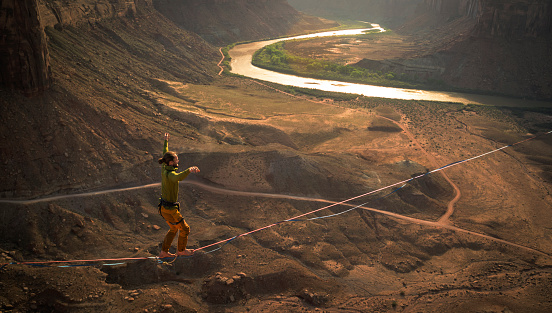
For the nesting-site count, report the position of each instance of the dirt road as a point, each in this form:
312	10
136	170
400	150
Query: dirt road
437	224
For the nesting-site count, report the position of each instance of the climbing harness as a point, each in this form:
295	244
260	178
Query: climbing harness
167	204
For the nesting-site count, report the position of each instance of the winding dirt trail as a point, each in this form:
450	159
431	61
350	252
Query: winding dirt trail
278	196
444	219
442	222
437	224
220	62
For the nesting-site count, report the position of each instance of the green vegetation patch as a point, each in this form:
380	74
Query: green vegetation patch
276	58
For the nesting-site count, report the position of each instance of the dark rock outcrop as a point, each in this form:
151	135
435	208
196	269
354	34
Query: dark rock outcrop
499	18
520	19
24	60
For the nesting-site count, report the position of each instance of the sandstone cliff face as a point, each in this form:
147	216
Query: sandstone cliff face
516	19
24	56
502	18
56	12
226	21
24	60
507	50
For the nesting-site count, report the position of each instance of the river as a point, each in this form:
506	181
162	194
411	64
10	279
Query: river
242	55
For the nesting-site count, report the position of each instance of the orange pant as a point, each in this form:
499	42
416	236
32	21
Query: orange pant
176	222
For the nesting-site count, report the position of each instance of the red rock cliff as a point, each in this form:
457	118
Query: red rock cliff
76	12
24	57
500	18
24	61
498	46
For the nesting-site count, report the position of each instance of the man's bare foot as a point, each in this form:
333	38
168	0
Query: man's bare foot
186	252
166	254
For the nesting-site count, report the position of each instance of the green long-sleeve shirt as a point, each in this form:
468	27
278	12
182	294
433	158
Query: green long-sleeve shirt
170	179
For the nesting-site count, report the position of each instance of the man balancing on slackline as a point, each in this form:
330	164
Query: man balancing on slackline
169	208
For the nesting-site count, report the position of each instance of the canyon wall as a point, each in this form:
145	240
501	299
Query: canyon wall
506	49
24	56
225	21
502	18
516	19
24	59
59	13
496	46
387	12
453	8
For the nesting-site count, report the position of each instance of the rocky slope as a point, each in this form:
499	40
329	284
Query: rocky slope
355	262
99	110
24	61
122	74
105	61
79	12
225	21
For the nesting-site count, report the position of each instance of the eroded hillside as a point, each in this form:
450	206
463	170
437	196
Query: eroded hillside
97	122
270	156
121	81
222	22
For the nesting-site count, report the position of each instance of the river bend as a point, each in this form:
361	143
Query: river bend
242	55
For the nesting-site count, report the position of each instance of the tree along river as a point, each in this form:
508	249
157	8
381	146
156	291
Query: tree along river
242	55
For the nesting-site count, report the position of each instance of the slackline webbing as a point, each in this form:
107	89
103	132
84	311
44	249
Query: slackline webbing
293	219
